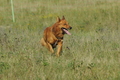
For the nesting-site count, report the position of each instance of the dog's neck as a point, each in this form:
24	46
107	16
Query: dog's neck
55	32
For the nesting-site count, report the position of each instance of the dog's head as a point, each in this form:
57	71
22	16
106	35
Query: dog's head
63	25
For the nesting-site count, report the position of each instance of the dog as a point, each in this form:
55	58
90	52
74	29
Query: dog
53	35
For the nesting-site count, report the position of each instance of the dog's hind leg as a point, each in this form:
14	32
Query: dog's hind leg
49	46
42	41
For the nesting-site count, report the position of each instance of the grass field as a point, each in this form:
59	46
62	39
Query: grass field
92	52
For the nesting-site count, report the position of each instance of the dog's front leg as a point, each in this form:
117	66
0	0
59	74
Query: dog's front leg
59	48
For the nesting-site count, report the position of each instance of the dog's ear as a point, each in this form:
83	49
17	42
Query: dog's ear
58	19
63	18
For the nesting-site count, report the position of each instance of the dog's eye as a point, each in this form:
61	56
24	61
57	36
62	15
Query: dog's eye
65	24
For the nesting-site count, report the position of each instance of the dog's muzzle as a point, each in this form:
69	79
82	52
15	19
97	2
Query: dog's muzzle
70	28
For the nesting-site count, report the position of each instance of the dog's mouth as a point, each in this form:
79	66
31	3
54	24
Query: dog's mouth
66	31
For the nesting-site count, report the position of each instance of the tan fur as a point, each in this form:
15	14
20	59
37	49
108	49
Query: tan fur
53	35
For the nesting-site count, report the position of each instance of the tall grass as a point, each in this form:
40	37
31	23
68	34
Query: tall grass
92	52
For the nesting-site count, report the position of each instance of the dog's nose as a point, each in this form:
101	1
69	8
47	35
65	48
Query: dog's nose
70	27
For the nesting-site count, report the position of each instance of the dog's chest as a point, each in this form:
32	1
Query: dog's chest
56	43
59	36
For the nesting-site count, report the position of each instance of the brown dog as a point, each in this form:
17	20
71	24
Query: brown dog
53	36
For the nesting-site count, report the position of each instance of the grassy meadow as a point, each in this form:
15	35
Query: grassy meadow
92	52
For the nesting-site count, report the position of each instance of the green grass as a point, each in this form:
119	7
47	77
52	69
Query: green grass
92	52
